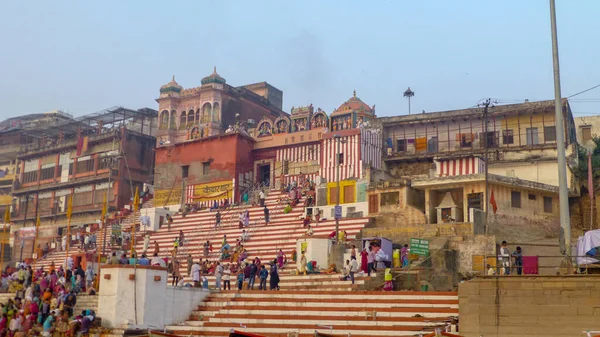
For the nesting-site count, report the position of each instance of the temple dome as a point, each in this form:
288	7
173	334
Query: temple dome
353	104
213	78
171	86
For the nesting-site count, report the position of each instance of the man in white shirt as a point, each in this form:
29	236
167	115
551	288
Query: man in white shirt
158	261
505	256
353	268
244	236
196	274
261	198
218	275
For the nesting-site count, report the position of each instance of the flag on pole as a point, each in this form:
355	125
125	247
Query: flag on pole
493	202
37	224
136	200
70	207
104	208
7	215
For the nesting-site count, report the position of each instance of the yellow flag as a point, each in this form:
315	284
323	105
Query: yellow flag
37	223
7	215
136	199
70	207
104	209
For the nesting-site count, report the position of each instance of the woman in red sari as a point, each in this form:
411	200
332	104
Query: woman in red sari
363	261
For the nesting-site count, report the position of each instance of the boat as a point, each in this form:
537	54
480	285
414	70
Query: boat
235	333
156	333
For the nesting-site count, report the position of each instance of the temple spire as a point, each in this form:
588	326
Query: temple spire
354	93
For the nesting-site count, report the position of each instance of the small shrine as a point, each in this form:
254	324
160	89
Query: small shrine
448	210
319	120
265	128
282	125
301	117
351	114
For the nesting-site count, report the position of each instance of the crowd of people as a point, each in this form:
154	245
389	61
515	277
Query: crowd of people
44	301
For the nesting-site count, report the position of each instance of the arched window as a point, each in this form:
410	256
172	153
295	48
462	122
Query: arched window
206	109
183	120
198	116
216	114
173	124
190	118
164	119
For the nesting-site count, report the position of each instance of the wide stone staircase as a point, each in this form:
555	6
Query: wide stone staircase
297	312
264	240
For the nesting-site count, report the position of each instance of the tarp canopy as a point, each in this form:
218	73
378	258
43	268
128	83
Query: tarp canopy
586	246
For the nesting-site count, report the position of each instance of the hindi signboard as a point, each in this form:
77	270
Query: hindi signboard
167	197
337	212
419	246
213	191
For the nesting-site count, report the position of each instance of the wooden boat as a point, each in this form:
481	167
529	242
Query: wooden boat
235	333
155	333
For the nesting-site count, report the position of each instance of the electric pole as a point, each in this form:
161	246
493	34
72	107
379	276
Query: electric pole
337	201
486	105
563	192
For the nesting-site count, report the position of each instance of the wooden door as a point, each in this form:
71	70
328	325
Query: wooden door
373	203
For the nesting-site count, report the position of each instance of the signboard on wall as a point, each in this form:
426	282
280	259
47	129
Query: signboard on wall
166	197
338	212
213	191
419	246
26	233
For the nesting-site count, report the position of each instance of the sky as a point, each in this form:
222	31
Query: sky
85	56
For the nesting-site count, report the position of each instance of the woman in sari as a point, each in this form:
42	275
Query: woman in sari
274	281
404	256
303	264
364	261
243	256
53	279
280	259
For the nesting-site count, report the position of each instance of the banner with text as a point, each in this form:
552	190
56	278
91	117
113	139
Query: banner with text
213	191
166	197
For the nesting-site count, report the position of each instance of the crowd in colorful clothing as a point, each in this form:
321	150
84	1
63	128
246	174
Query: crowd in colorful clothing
45	300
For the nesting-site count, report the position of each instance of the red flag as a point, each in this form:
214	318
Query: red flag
590	176
493	202
79	145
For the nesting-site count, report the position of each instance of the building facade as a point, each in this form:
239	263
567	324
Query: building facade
204	138
98	156
277	149
444	155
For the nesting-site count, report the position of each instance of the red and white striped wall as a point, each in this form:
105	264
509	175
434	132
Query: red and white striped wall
460	166
288	178
350	150
311	152
360	148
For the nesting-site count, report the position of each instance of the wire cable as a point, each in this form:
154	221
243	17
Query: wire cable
584	91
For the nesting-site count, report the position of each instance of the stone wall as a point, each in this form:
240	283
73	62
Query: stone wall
529	306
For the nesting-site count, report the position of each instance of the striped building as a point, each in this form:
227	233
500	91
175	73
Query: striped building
459	166
293	161
358	148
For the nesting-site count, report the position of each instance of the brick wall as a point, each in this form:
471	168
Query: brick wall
529	306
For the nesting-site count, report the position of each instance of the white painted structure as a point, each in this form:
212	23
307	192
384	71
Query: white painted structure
155	214
315	249
144	301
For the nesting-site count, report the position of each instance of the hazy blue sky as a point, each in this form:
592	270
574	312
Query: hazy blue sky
83	56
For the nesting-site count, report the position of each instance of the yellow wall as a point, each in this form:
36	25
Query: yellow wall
331	187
